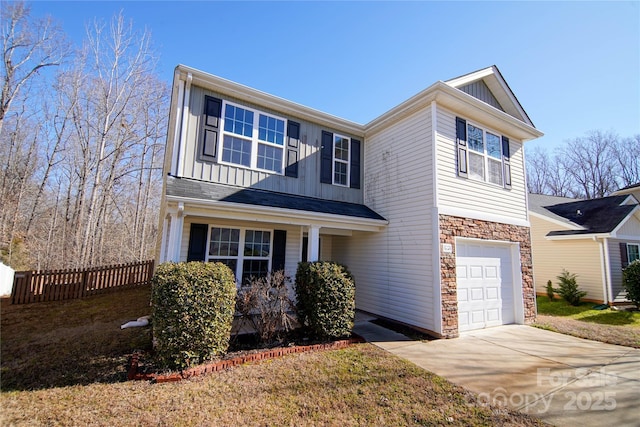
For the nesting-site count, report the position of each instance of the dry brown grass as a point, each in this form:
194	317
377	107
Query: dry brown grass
78	355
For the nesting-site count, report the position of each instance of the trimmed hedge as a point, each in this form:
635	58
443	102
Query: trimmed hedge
325	292
631	282
193	307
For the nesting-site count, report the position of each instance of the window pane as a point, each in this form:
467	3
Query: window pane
474	139
271	129
231	263
270	158
476	166
494	146
633	252
238	120
341	148
254	268
236	150
340	173
224	242
495	171
257	243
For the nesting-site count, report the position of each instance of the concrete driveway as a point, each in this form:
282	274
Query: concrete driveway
563	380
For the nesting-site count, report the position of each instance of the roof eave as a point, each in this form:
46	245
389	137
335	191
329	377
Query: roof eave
281	215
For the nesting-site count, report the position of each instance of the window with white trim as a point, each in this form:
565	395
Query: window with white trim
485	155
246	252
633	252
252	139
341	159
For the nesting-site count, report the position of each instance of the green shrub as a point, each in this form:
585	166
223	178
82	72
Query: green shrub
193	307
568	289
550	292
631	282
325	293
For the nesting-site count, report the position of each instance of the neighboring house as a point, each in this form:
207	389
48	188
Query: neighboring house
426	204
594	239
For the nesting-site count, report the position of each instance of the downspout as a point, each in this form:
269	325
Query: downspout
184	125
607	264
603	270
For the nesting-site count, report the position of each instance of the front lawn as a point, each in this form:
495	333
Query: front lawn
64	364
610	326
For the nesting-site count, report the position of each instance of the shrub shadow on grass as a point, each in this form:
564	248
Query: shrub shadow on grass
75	342
610	318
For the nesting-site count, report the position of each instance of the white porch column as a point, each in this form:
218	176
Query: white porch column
163	245
313	250
175	234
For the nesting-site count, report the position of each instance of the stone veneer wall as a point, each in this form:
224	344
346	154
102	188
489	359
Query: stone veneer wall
452	227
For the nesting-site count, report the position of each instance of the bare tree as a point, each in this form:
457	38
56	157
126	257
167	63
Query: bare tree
590	162
538	170
627	155
28	46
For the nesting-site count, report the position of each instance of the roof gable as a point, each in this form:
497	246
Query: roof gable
595	216
499	93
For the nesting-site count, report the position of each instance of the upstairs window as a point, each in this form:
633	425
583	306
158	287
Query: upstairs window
252	139
341	149
633	252
483	155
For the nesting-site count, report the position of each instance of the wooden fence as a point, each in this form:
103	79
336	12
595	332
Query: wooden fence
56	285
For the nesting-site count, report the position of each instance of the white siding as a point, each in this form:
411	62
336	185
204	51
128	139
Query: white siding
477	199
550	257
615	262
393	268
630	229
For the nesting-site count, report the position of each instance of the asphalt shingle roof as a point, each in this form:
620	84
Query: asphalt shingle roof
182	187
601	215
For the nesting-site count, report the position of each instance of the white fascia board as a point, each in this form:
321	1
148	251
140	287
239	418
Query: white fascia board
589	236
482	216
568	224
460	102
284	106
471	77
625	220
198	207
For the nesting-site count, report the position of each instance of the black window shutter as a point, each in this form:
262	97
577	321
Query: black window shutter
506	162
293	149
326	157
197	242
279	249
461	145
624	257
210	126
354	180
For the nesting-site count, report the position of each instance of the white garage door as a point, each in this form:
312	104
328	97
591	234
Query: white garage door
485	285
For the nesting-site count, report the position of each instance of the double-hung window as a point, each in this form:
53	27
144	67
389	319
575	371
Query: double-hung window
246	252
483	155
633	252
341	160
252	139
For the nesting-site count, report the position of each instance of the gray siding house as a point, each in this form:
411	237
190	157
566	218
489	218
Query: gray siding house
425	204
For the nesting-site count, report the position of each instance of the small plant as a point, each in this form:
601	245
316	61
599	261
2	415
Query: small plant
568	289
193	306
264	305
631	282
550	292
325	293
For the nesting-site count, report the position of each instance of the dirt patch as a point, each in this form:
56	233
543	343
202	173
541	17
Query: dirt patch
611	334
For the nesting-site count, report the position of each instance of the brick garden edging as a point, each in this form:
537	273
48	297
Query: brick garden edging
222	365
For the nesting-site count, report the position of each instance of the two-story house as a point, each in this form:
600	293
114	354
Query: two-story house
425	204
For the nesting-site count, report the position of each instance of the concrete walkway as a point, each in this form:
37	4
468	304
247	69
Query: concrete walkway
563	380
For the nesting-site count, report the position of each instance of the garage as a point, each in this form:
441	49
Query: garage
486	279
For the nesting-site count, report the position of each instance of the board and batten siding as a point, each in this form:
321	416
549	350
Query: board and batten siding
306	184
550	257
478	199
393	268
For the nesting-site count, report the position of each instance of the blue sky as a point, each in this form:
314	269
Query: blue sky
574	66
